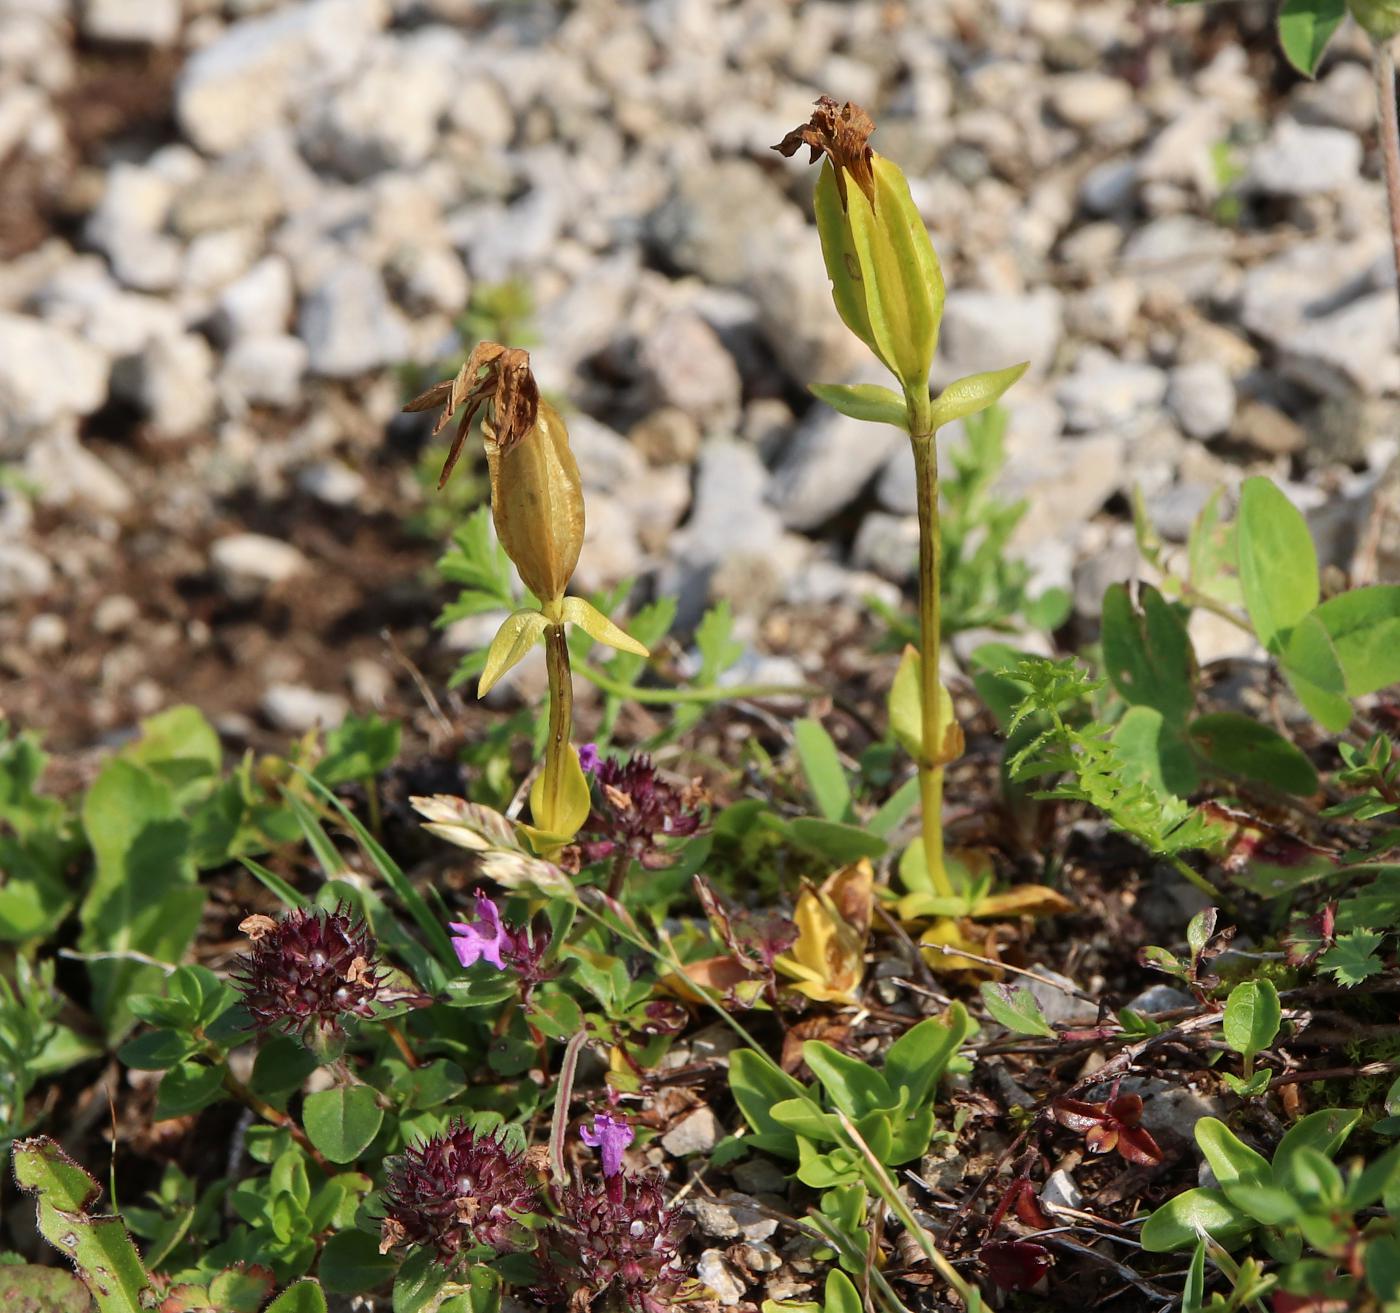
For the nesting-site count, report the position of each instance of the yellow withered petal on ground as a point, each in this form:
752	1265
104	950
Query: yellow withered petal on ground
827	961
942	940
1023	900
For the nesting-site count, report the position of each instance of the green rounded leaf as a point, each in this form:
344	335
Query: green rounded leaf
352	1264
1230	1158
343	1122
1364	626
1252	1016
1179	1222
187	1088
1242	747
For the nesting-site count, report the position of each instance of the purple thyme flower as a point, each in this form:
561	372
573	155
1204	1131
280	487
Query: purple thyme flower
626	1240
611	1135
308	970
589	757
456	1190
473	943
635	811
489	939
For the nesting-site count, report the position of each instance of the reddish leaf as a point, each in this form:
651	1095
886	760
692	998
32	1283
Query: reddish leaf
1028	1207
1101	1138
1015	1264
1076	1115
1125	1109
1137	1146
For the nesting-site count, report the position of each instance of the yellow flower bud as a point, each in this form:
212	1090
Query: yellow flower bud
537	503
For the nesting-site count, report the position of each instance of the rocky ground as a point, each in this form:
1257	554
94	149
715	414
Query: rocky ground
228	229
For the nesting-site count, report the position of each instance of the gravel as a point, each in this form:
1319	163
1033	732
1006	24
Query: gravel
301	200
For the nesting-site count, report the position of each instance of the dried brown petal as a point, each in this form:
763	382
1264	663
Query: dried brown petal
256	926
842	132
492	373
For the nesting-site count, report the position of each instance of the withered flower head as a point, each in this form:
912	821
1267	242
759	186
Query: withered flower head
536	491
310	969
626	1241
455	1191
635	811
493	373
842	132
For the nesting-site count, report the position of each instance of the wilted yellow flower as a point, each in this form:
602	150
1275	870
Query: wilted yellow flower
833	922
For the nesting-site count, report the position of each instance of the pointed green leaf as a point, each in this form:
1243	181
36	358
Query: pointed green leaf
1304	29
599	628
1147	653
1312	667
1015	1007
966	396
518	634
822	767
1277	562
867	401
304	1297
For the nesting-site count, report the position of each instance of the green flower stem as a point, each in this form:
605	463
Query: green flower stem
561	713
923	440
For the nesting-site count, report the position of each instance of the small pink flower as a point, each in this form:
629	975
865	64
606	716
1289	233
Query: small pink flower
588	757
482	941
611	1136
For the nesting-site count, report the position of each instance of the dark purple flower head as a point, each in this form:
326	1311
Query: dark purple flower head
635	811
610	1136
489	939
308	970
455	1191
626	1241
